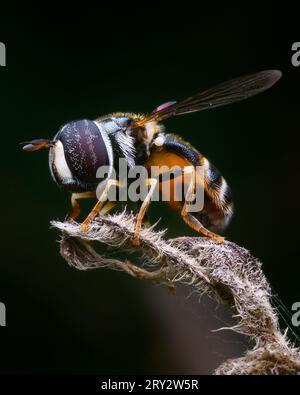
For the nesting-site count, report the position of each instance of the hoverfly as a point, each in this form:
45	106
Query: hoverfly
81	147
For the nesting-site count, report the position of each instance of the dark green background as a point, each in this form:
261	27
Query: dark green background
60	320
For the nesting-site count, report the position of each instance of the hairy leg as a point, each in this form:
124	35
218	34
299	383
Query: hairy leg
189	219
99	205
152	182
74	214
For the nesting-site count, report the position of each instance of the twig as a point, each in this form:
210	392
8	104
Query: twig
226	272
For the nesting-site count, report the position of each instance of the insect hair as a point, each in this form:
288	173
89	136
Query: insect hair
226	272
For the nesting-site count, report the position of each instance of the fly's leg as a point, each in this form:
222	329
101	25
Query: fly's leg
152	182
99	205
107	207
189	219
74	214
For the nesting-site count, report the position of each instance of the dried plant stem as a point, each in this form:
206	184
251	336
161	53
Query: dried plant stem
226	272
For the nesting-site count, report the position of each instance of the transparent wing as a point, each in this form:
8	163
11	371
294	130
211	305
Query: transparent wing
226	93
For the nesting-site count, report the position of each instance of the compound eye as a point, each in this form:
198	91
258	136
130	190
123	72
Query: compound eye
85	150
